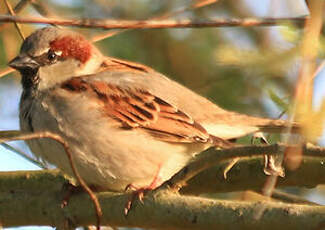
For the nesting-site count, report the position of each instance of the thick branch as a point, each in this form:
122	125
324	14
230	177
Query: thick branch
166	211
25	205
248	174
149	24
34	198
212	157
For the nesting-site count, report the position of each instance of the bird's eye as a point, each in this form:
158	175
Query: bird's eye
51	56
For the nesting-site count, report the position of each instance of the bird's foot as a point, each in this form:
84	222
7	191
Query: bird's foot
138	193
229	166
68	191
271	168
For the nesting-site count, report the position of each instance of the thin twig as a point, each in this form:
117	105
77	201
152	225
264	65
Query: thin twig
23	155
6	71
149	24
19	7
17	135
42	8
12	12
319	69
290	198
193	6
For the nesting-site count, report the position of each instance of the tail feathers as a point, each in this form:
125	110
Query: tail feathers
264	124
222	136
278	126
240	126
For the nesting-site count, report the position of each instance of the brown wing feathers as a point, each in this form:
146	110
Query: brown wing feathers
138	108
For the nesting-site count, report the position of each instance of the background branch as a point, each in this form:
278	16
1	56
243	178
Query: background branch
12	12
213	156
149	24
248	174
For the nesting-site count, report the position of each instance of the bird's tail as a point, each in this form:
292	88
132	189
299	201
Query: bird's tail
277	126
234	125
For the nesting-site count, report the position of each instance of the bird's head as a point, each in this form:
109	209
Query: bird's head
52	55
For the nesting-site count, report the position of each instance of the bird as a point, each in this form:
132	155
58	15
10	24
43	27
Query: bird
125	123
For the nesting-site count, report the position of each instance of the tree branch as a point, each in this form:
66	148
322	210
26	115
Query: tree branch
166	211
149	24
248	174
18	135
212	157
12	12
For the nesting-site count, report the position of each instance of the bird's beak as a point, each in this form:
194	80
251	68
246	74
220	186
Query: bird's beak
22	62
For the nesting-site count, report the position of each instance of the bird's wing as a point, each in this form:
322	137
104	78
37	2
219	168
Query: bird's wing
214	120
135	107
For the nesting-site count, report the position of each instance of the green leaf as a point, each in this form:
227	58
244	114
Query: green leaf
280	103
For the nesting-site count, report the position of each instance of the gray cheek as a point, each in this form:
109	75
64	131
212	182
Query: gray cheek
51	75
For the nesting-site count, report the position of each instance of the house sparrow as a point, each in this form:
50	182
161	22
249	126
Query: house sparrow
125	123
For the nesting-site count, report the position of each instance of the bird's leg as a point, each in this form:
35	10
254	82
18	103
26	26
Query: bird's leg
139	192
232	162
68	191
229	166
270	167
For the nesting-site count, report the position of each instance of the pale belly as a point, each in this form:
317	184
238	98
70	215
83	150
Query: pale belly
105	156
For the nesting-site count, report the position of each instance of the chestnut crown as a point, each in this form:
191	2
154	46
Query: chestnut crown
54	55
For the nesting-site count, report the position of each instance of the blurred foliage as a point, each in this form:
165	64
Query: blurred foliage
281	103
241	69
230	66
313	124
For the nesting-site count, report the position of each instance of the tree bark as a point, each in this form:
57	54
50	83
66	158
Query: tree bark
35	198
